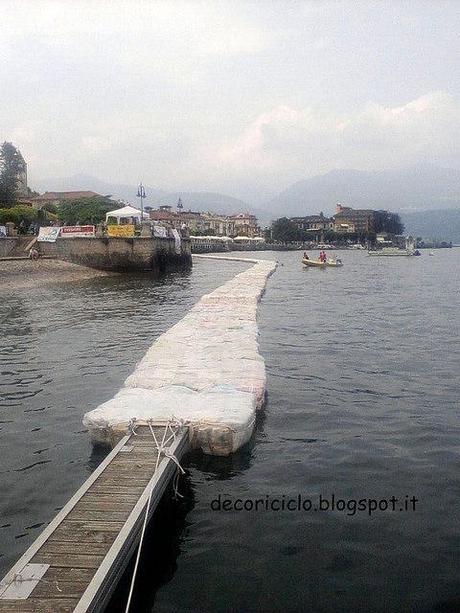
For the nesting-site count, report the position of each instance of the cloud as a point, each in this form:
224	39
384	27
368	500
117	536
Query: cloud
171	39
234	96
305	141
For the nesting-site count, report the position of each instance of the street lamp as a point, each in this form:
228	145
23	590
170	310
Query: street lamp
141	195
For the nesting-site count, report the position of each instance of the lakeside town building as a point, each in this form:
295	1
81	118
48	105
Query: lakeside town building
313	223
350	221
346	220
207	223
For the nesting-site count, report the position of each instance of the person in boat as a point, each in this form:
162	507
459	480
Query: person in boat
305	256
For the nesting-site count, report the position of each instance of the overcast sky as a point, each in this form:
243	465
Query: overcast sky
238	97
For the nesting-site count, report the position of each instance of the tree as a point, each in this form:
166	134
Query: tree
18	214
85	210
386	221
285	231
10	168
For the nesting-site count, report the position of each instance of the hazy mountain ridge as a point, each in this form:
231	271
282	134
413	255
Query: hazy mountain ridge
438	224
417	188
428	198
204	201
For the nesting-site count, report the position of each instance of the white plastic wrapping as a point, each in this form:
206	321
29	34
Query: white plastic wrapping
206	370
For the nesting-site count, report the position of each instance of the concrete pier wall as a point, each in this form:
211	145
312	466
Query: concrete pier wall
14	246
121	254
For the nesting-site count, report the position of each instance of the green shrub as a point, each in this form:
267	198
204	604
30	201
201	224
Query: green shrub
16	214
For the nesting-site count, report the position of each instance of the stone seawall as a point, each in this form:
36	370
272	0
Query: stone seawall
14	246
121	254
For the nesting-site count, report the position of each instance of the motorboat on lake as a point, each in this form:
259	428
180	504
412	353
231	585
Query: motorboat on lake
334	262
395	251
313	263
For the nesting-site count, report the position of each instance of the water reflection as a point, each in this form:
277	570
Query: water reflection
64	349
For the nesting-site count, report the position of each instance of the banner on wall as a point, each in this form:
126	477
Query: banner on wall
73	231
177	240
124	231
160	231
48	234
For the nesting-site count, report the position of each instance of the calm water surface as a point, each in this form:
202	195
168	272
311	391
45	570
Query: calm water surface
362	403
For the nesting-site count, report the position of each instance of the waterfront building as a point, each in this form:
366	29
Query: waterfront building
207	223
245	225
313	223
350	221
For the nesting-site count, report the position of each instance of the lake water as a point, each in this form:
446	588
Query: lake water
363	402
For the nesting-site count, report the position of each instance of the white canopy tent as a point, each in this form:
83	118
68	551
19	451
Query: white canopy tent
248	238
127	212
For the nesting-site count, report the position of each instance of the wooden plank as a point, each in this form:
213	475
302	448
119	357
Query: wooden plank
126	470
39	605
79	533
57	521
106	511
106	505
140	441
123	466
60	589
99	514
70	560
77	575
144	461
89	526
141	450
102	498
101	586
110	487
125	476
73	547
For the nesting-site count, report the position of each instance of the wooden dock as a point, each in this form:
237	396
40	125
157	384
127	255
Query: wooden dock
76	562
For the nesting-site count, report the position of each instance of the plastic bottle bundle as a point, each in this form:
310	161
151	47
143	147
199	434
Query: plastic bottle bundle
205	370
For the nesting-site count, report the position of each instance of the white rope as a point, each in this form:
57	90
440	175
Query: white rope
181	423
162	450
132	426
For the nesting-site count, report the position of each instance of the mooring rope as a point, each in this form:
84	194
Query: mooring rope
162	450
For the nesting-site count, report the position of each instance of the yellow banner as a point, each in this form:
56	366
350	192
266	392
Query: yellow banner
121	231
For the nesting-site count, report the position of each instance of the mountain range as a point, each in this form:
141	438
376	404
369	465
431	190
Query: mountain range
441	224
405	189
201	201
412	192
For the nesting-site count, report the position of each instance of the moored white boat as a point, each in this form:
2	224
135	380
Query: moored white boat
393	252
409	250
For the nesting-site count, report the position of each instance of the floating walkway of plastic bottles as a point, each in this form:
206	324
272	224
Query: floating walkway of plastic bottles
199	385
206	372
